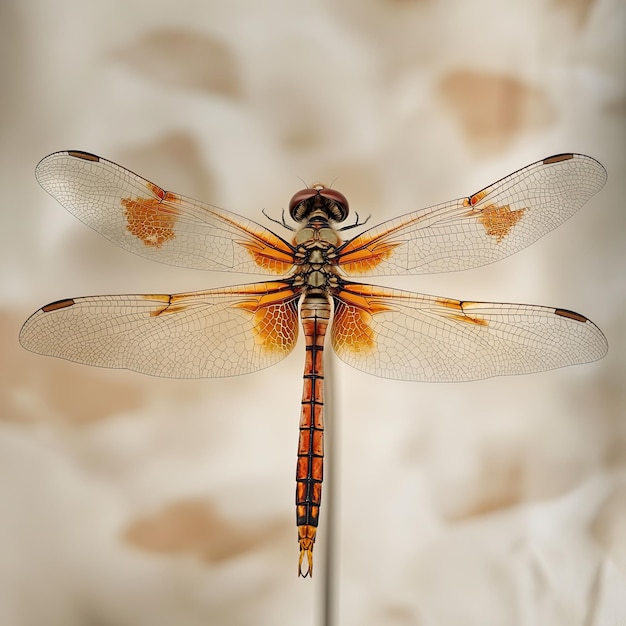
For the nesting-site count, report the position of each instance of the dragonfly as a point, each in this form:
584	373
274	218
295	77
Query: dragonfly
313	278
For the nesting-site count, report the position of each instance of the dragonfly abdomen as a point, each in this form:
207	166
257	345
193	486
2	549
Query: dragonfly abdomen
315	314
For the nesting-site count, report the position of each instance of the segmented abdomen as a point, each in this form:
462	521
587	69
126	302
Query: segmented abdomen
315	314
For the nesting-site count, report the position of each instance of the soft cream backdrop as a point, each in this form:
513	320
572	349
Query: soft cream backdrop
127	500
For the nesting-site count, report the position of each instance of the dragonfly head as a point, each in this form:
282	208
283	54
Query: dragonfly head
318	201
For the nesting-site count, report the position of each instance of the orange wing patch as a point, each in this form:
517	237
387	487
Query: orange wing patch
364	260
497	220
266	257
149	219
275	326
267	249
351	329
275	319
354	307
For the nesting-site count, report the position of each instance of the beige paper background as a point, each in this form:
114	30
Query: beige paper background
128	500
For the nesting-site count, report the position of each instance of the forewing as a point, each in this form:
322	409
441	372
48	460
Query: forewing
479	229
408	336
215	333
141	217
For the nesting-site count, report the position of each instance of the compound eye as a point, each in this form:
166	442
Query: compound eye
340	202
297	199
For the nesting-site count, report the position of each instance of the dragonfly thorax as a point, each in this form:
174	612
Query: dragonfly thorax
316	251
317	232
316	244
323	279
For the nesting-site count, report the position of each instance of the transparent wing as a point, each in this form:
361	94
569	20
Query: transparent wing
141	217
409	336
479	229
215	333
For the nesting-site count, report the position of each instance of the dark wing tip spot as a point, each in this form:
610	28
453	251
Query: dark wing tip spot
59	304
86	156
571	315
557	158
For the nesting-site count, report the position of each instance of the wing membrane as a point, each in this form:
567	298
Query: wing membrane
409	336
141	217
479	229
214	333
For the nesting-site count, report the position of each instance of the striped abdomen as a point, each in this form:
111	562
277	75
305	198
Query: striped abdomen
315	313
